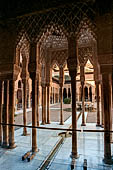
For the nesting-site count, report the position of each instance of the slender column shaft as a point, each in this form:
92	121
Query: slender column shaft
102	106
83	108
34	116
24	106
61	106
5	113
107	116
43	120
11	113
98	108
53	96
1	94
45	104
37	103
74	118
48	104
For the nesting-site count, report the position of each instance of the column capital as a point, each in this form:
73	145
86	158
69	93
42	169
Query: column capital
82	82
72	66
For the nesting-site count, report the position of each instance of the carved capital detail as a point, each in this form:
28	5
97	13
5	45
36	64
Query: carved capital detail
72	66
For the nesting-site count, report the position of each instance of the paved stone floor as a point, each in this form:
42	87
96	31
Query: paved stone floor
91	117
54	114
90	147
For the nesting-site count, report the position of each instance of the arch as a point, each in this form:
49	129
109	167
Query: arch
91	61
21	38
22	46
86	24
54	62
51	29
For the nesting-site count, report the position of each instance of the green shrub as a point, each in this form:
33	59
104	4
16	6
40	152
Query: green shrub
67	101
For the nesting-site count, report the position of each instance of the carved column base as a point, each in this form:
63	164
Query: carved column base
98	125
12	146
48	122
102	126
108	161
61	123
25	133
38	124
34	149
74	155
5	145
83	124
43	123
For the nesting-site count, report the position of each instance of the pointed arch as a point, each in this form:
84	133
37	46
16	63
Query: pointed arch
86	24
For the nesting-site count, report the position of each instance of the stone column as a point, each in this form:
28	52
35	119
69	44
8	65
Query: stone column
72	66
43	104
98	106
82	78
34	116
29	99
11	113
106	80
74	117
61	106
24	106
83	107
38	103
1	95
102	107
48	104
33	70
5	114
53	96
61	79
43	120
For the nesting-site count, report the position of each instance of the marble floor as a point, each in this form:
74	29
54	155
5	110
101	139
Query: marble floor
90	147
